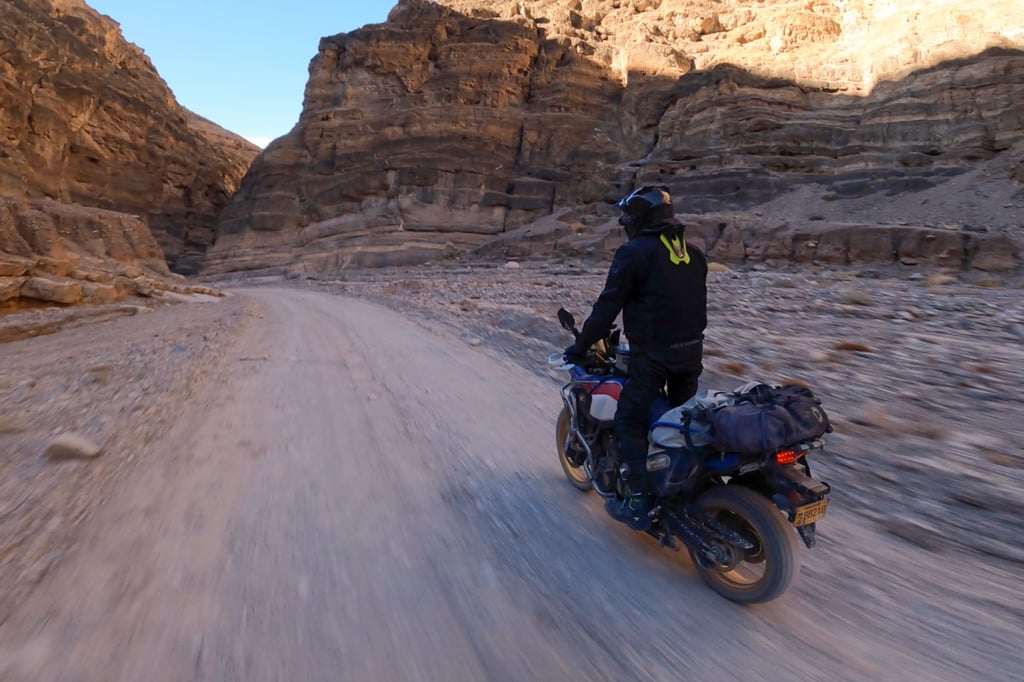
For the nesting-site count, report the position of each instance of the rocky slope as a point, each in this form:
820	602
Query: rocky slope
458	121
87	120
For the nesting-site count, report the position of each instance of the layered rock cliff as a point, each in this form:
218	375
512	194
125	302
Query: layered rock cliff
459	121
86	120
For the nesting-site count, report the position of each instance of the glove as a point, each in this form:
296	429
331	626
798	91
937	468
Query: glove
574	356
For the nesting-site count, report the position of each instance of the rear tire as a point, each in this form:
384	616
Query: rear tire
776	555
577	475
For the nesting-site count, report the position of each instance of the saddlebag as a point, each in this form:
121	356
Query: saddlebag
686	426
766	418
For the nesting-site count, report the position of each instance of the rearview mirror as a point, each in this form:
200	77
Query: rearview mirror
566	319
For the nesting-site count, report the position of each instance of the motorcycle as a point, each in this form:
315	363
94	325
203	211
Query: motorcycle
738	514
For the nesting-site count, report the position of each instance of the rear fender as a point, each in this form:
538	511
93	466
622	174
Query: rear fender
792	482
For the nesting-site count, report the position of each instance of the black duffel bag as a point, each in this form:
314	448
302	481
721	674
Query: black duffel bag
766	418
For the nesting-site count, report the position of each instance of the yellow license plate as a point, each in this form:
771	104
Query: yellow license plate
809	513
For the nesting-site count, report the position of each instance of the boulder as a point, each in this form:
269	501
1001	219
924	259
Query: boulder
10	287
11	266
63	291
935	248
93	292
998	253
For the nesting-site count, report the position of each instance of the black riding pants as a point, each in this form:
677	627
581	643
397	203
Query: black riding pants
649	371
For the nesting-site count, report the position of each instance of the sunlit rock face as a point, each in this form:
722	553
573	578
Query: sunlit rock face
85	119
456	122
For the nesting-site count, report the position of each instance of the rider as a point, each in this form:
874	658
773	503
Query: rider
659	284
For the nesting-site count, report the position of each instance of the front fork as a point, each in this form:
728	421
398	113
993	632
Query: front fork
574	428
576	435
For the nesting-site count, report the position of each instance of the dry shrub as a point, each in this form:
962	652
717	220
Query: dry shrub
854	347
790	381
876	418
939	279
926	430
734	368
1002	459
856	297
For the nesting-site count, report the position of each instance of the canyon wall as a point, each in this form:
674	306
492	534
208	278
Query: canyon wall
86	120
457	123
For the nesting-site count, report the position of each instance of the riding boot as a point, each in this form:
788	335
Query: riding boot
634	509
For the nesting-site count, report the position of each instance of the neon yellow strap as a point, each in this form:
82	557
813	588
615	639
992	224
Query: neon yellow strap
676	249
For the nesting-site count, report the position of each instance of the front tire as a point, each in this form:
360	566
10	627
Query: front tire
577	475
755	575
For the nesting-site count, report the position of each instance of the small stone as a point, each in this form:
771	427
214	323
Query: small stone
72	446
513	265
982	394
475	342
137	309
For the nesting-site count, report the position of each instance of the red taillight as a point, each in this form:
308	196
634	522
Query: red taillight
785	456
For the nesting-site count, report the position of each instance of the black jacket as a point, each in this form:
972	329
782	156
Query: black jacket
662	302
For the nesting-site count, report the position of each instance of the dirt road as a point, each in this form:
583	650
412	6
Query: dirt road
355	498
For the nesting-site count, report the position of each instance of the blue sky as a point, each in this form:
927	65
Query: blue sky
243	65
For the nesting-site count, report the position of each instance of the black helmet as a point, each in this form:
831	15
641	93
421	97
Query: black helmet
643	207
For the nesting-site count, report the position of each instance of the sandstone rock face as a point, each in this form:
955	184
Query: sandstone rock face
62	254
743	238
87	120
734	140
459	121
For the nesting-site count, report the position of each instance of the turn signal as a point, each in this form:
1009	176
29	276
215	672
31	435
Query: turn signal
785	456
